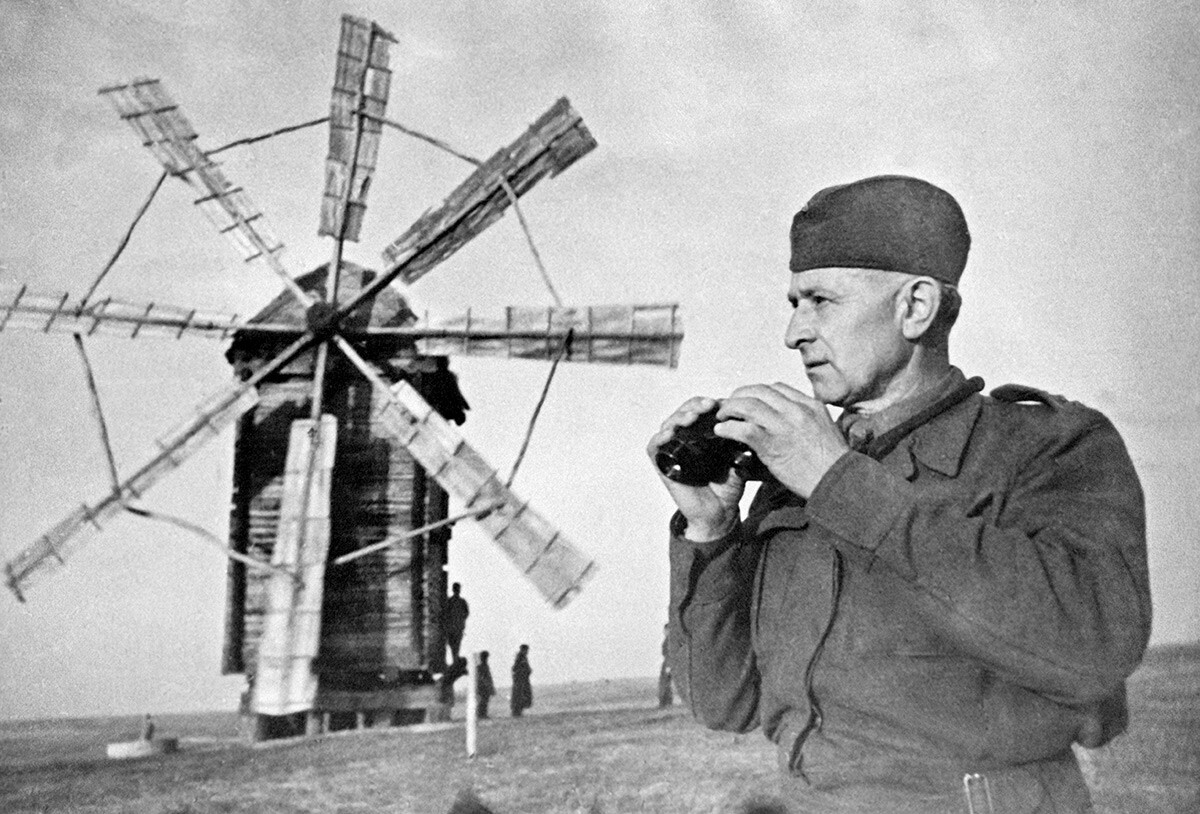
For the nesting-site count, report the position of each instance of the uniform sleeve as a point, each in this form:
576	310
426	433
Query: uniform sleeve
1045	582
709	644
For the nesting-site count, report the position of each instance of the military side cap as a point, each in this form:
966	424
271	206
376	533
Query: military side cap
888	222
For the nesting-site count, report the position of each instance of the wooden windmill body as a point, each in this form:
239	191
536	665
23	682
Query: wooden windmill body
347	454
380	637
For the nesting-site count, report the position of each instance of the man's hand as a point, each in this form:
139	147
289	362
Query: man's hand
791	433
711	510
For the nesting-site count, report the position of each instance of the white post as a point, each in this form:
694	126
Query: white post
472	711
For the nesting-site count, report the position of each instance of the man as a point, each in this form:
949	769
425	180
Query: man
454	620
485	687
931	599
521	697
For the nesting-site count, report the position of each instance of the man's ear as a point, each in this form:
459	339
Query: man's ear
918	304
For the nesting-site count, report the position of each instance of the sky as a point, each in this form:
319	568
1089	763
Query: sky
1066	130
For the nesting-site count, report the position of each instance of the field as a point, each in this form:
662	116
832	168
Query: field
593	748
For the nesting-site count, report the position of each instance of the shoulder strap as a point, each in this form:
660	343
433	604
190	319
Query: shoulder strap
1016	393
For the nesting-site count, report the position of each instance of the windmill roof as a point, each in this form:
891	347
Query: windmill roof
388	308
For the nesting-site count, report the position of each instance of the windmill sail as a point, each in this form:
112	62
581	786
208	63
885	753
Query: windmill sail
555	567
361	82
613	334
51	550
554	142
284	682
42	312
168	134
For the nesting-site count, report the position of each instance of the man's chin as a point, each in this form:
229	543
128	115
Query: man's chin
825	391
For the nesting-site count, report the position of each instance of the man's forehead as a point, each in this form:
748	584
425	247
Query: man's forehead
836	277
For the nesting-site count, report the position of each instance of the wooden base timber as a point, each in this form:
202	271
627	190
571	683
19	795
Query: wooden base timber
338	710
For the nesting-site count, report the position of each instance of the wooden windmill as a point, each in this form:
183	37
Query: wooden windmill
345	461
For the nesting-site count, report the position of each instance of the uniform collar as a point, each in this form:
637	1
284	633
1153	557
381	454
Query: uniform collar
940	444
934	427
858	428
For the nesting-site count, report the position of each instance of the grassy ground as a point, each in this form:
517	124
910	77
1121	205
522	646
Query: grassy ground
597	747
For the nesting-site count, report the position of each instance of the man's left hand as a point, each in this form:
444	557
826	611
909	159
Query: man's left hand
791	433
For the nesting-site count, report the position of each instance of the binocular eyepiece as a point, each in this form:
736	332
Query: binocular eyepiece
696	456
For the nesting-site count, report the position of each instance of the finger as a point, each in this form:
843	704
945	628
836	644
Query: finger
755	409
738	430
750	391
689	411
773	395
686	415
791	393
657	440
784	400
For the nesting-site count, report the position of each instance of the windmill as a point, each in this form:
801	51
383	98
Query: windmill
336	381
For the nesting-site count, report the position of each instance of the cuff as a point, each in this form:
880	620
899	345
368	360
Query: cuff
708	571
859	500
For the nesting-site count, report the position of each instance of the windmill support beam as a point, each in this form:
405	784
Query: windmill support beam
98	413
417	532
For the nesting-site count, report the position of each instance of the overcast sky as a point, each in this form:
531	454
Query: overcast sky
1066	130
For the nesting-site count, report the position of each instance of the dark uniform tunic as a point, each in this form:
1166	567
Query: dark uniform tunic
521	697
970	603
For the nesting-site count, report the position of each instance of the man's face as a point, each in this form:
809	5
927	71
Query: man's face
846	325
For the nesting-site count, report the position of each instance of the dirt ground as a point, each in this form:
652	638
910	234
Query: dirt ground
593	748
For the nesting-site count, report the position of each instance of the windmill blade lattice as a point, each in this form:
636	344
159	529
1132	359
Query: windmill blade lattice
554	142
357	105
41	312
613	334
155	117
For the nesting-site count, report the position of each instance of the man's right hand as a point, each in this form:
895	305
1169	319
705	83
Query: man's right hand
712	510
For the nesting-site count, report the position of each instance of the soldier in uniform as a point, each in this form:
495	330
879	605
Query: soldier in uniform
521	697
485	686
454	620
931	599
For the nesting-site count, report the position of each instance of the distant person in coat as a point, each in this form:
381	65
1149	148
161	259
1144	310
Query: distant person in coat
522	689
485	688
453	673
666	695
454	620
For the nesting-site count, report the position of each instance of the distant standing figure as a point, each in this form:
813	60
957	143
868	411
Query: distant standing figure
522	689
148	728
485	688
453	673
454	620
666	695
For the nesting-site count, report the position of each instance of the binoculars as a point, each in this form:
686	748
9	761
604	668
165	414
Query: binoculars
696	456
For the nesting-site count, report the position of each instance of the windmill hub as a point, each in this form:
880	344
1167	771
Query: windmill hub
321	319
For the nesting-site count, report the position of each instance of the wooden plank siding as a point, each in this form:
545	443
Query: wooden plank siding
381	612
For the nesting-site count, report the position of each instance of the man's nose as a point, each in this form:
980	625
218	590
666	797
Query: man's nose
799	330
